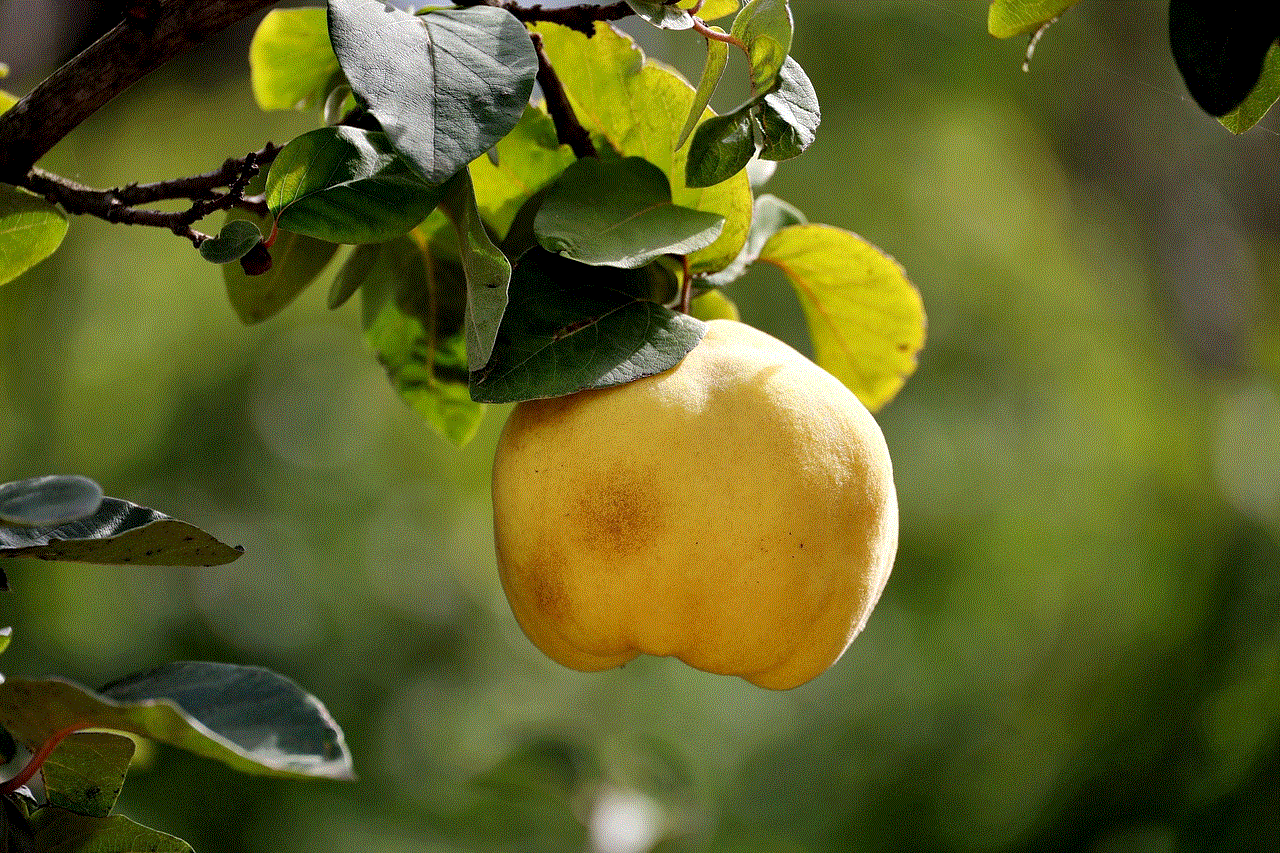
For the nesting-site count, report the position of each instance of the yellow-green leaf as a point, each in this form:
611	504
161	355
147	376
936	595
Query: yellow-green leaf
711	9
1010	17
638	108
714	305
30	230
525	161
7	100
291	63
866	319
1264	94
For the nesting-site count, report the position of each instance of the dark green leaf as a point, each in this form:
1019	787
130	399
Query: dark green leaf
291	64
233	242
1264	94
30	230
1220	48
712	71
414	305
721	148
487	270
346	185
619	213
790	114
85	773
765	27
570	327
445	85
661	14
48	501
119	532
353	273
61	831
246	717
15	829
771	215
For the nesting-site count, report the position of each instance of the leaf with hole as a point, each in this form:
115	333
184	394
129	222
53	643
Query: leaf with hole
619	213
48	501
571	326
414	301
30	230
236	239
291	64
637	109
249	718
445	85
86	772
865	318
765	27
118	533
347	185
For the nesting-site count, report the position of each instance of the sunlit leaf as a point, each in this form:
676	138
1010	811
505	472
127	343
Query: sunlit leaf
61	831
118	533
413	305
7	99
487	270
771	214
711	9
789	114
1010	17
765	27
30	230
529	158
49	500
637	109
571	326
232	243
249	718
347	185
714	305
866	319
1264	94
712	71
662	15
619	213
6	635
721	148
85	773
445	85
291	64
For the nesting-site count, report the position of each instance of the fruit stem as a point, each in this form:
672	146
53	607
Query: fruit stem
686	286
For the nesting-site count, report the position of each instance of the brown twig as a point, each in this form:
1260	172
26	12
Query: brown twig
568	129
581	17
139	44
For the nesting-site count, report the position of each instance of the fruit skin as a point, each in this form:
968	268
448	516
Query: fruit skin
736	511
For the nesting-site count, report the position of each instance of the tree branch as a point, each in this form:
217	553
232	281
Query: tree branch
151	34
582	17
568	129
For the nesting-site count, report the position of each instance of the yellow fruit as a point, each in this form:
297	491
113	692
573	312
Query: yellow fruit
736	511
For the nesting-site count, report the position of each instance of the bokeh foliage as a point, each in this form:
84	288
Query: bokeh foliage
1078	649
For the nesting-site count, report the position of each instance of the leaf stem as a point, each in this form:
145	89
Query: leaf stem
38	759
715	35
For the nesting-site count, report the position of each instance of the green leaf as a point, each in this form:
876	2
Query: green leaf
487	270
790	114
30	230
712	71
48	501
661	14
291	64
15	828
771	215
570	327
721	148
119	532
296	262
711	9
529	158
619	213
445	85
1010	17
637	108
6	636
765	27
246	717
233	242
714	305
7	99
61	831
1220	49
346	185
1264	94
352	274
866	319
413	305
85	773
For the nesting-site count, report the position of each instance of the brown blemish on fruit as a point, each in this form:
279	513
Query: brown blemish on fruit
617	517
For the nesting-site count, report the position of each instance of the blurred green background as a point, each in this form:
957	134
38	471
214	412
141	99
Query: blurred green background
1079	648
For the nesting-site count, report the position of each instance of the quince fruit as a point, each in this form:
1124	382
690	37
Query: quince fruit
736	511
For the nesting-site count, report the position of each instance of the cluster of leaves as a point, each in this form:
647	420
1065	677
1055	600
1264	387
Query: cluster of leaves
1227	53
249	718
494	262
